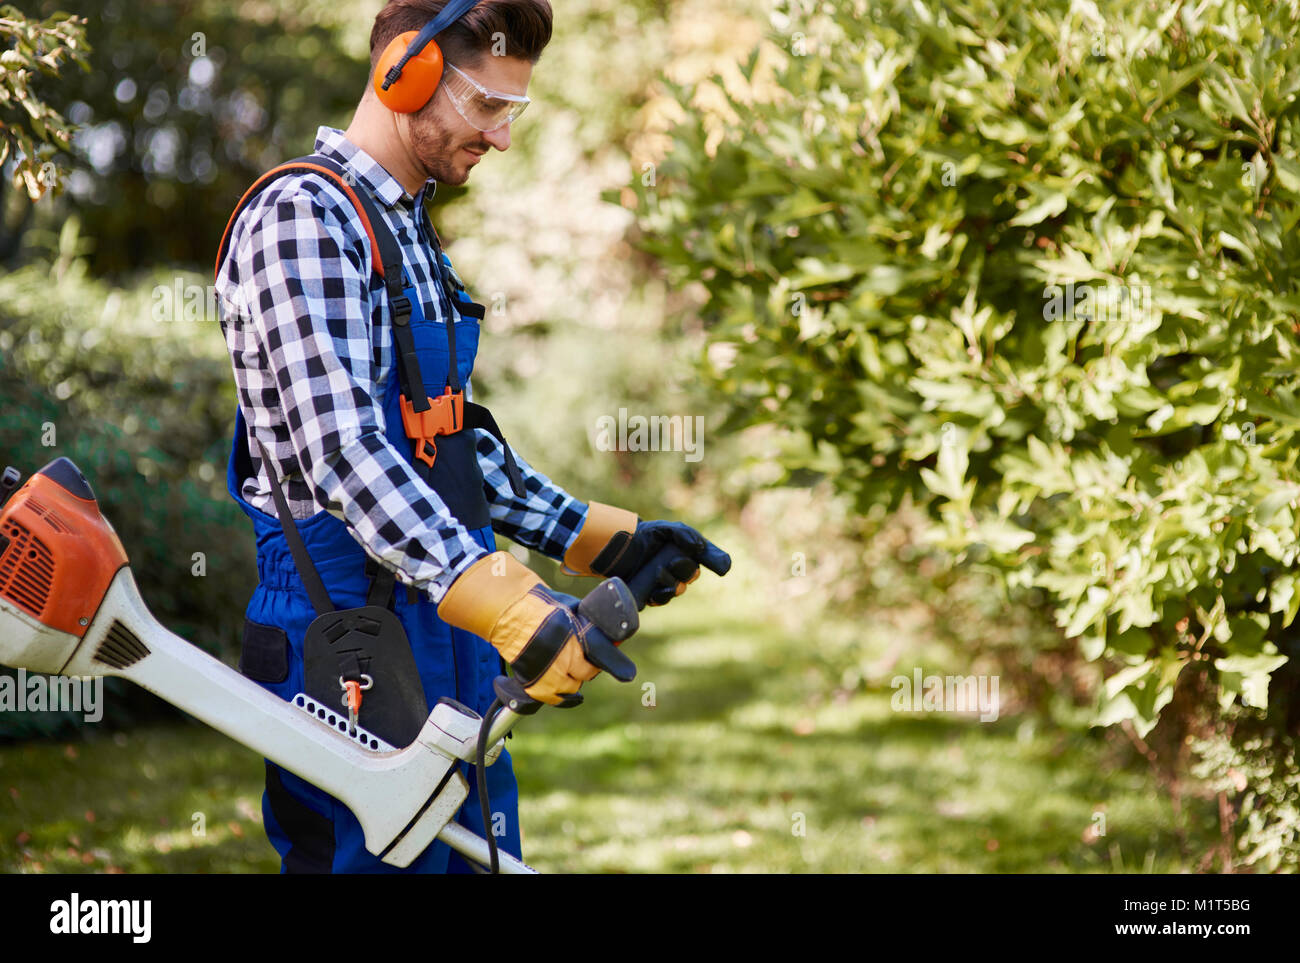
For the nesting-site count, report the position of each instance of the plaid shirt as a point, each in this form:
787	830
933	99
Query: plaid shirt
308	327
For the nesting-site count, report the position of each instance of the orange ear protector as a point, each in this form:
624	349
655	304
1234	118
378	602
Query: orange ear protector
409	69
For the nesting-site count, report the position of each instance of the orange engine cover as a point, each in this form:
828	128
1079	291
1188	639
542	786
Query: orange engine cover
58	554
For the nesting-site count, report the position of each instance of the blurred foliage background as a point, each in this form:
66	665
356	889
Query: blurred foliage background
1033	271
652	226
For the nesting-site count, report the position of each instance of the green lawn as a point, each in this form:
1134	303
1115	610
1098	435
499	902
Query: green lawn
747	762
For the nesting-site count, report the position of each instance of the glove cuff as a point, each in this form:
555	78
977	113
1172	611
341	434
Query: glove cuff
485	592
602	524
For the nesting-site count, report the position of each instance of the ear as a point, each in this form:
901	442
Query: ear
419	79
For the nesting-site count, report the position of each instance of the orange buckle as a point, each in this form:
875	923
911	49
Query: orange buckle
352	696
444	416
352	699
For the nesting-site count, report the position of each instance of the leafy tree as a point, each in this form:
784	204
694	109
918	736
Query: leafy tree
1034	268
34	135
184	105
31	130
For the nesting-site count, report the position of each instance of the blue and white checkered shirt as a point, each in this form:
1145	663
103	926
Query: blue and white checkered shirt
308	327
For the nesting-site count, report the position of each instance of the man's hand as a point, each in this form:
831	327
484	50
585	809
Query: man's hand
551	647
656	559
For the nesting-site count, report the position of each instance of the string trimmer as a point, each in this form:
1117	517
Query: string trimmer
69	606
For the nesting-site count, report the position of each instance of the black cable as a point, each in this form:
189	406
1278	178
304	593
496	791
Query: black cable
481	764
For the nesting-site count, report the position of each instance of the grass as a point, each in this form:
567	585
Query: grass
182	799
734	770
729	753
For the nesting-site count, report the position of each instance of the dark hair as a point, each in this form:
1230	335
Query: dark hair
525	26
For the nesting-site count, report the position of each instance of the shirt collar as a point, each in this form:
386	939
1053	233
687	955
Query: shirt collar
334	144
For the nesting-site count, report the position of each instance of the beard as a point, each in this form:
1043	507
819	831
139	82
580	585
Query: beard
437	148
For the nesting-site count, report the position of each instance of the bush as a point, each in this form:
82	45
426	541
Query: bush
146	411
1034	269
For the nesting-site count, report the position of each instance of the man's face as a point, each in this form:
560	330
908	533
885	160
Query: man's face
443	142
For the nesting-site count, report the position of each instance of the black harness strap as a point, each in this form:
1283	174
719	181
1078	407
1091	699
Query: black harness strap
311	580
476	416
350	668
408	365
381	584
388	261
453	366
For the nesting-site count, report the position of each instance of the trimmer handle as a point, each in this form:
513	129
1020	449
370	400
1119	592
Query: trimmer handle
8	482
611	609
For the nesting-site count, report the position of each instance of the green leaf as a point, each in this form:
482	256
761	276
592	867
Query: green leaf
1050	206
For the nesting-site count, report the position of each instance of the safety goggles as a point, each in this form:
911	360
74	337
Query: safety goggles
484	109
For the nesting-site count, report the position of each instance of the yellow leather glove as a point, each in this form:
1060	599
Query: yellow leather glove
550	646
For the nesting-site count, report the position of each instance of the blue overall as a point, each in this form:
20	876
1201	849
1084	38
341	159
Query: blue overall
451	661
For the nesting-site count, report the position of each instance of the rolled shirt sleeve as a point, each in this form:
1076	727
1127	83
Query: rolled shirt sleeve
547	519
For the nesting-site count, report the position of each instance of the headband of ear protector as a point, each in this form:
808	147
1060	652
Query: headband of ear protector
410	67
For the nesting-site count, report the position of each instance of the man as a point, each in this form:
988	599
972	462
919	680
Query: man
342	357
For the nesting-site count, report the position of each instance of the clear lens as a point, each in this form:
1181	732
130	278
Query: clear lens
484	109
